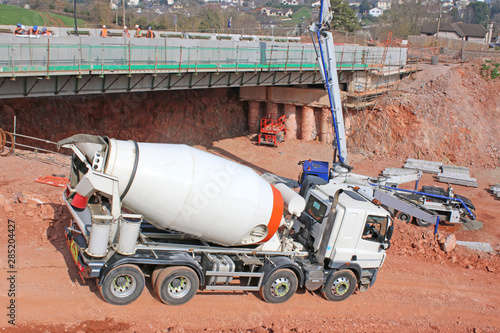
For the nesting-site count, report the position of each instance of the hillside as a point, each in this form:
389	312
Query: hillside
11	15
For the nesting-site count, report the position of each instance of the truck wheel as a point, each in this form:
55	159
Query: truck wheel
422	223
155	274
404	217
279	287
122	285
177	285
340	286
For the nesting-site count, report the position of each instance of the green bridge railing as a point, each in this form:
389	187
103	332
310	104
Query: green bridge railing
52	58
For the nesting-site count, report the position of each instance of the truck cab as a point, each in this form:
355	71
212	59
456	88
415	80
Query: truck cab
344	229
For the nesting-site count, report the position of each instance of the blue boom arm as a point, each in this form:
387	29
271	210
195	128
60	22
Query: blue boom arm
325	53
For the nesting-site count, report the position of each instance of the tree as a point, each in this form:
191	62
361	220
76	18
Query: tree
210	20
477	13
407	18
364	7
101	12
343	17
495	8
454	14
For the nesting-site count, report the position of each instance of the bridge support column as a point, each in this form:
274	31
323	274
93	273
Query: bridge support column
291	121
272	110
307	123
325	134
253	116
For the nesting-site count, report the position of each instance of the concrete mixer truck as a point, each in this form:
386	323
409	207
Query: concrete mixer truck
187	220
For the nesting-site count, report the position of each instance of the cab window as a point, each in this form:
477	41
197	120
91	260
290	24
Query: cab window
315	208
375	228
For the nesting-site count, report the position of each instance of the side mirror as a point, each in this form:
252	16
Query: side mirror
390	232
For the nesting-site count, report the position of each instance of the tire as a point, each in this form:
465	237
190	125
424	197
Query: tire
340	286
122	285
279	287
404	217
177	285
281	136
155	274
422	223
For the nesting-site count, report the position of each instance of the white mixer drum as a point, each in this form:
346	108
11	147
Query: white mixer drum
181	188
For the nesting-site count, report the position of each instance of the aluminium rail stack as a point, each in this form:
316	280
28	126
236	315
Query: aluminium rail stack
495	189
424	166
457	175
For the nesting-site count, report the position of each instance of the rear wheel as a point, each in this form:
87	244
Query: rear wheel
404	217
340	286
281	136
177	285
122	285
422	223
155	274
279	287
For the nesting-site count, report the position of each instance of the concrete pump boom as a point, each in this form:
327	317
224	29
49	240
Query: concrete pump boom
325	53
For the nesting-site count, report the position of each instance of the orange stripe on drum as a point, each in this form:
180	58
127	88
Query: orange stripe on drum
276	214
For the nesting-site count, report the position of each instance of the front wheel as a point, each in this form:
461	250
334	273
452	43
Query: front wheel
122	285
279	287
177	285
339	286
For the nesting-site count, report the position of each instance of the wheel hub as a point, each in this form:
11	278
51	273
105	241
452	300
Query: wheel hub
341	286
280	287
123	286
179	287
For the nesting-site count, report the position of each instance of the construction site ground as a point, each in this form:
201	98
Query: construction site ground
419	288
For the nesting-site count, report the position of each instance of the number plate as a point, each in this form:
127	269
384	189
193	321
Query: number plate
74	251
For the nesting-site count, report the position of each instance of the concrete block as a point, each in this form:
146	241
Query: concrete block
486	247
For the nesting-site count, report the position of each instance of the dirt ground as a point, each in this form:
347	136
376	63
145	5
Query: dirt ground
419	288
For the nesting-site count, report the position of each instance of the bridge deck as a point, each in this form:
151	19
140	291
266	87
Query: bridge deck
45	57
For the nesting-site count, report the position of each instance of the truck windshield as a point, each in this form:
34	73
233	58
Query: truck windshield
315	208
375	228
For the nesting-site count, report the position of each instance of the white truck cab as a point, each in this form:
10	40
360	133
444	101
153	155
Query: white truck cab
343	228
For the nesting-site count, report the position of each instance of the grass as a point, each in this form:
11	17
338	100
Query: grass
11	15
297	18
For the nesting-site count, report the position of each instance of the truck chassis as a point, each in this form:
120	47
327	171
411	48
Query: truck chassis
178	265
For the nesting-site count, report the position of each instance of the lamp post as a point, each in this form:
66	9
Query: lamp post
74	11
439	25
123	4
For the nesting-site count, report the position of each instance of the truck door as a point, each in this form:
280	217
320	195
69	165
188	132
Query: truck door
343	247
369	249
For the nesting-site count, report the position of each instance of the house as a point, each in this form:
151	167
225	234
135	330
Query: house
375	12
133	2
462	31
267	11
384	4
316	4
290	2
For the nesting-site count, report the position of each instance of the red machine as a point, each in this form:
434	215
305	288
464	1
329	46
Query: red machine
272	131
